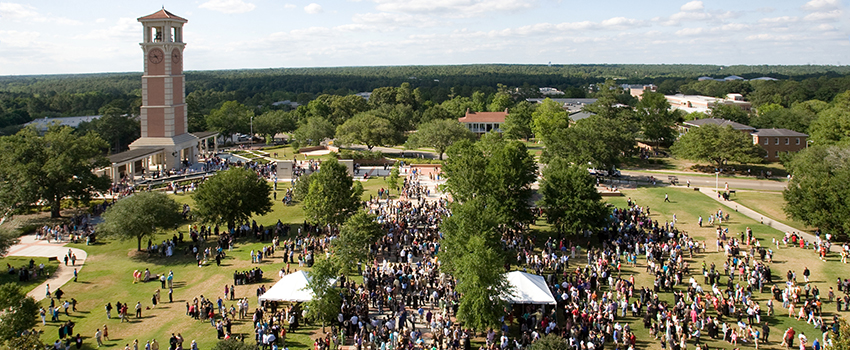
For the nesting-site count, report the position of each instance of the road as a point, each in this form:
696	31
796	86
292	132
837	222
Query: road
709	182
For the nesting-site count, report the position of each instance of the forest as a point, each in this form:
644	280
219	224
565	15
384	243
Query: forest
24	98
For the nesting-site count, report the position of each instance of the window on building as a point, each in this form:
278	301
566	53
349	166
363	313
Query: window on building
777	154
787	141
798	141
776	142
766	141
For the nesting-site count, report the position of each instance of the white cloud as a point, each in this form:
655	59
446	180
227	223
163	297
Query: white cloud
452	8
820	5
16	38
289	6
779	20
16	11
690	31
100	20
395	20
825	27
695	5
823	16
313	8
124	29
228	6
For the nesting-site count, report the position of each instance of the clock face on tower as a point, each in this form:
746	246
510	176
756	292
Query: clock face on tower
155	56
175	56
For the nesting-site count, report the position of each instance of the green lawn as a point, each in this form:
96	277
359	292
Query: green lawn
18	262
769	204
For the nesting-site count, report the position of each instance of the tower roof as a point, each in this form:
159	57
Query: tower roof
163	14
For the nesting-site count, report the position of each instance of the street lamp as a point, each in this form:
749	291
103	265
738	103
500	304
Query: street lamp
716	178
252	132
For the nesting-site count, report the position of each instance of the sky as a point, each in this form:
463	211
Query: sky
88	36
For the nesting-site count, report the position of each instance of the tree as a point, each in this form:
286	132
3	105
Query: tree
333	195
596	141
841	338
314	131
502	100
59	165
570	198
609	101
356	237
232	196
19	312
655	118
326	301
548	118
471	252
274	122
27	340
434	113
818	191
8	238
730	112
718	145
550	341
140	216
231	118
302	187
511	170
116	127
465	171
518	122
457	106
439	134
368	129
393	178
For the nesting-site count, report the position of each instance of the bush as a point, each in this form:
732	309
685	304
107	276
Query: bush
231	344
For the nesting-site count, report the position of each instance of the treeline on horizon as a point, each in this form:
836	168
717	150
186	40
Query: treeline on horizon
24	98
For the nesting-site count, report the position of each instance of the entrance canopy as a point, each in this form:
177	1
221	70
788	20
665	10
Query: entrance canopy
528	289
292	287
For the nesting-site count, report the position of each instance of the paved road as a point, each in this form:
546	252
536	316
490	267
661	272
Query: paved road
29	246
709	182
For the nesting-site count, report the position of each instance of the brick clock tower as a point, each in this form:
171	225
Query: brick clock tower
164	116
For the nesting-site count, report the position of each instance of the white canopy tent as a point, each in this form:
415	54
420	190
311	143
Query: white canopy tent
292	287
528	289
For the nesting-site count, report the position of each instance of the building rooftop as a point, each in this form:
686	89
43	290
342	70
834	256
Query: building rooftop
720	122
484	117
779	132
163	14
133	155
73	122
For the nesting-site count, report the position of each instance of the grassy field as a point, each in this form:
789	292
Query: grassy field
18	262
107	276
769	204
688	206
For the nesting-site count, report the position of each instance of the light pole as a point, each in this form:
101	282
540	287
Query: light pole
716	178
252	132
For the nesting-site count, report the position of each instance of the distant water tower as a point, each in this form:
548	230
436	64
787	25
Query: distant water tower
550	63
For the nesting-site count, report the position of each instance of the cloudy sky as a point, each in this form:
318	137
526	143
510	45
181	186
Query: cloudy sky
91	36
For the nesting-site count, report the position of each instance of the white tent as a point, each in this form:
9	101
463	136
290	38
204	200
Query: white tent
528	289
292	287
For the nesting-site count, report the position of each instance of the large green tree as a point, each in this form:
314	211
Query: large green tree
59	165
231	118
356	237
333	195
326	302
730	112
115	126
471	252
232	196
465	171
518	122
368	129
313	131
19	312
549	118
599	142
439	134
819	191
655	118
140	216
718	145
570	198
271	123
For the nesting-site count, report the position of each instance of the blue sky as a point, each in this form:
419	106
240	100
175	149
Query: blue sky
52	36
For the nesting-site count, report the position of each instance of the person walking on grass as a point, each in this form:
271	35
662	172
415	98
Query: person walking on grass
666	198
97	337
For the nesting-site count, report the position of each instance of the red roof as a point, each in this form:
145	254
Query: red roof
483	117
163	14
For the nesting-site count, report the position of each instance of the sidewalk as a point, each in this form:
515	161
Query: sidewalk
758	216
29	246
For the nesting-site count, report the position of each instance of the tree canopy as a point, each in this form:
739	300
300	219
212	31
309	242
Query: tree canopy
439	134
274	122
333	195
818	191
368	129
52	167
570	199
655	118
140	216
313	131
19	312
596	141
718	145
231	118
232	196
356	237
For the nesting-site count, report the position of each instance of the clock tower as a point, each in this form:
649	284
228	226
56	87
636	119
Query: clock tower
164	117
